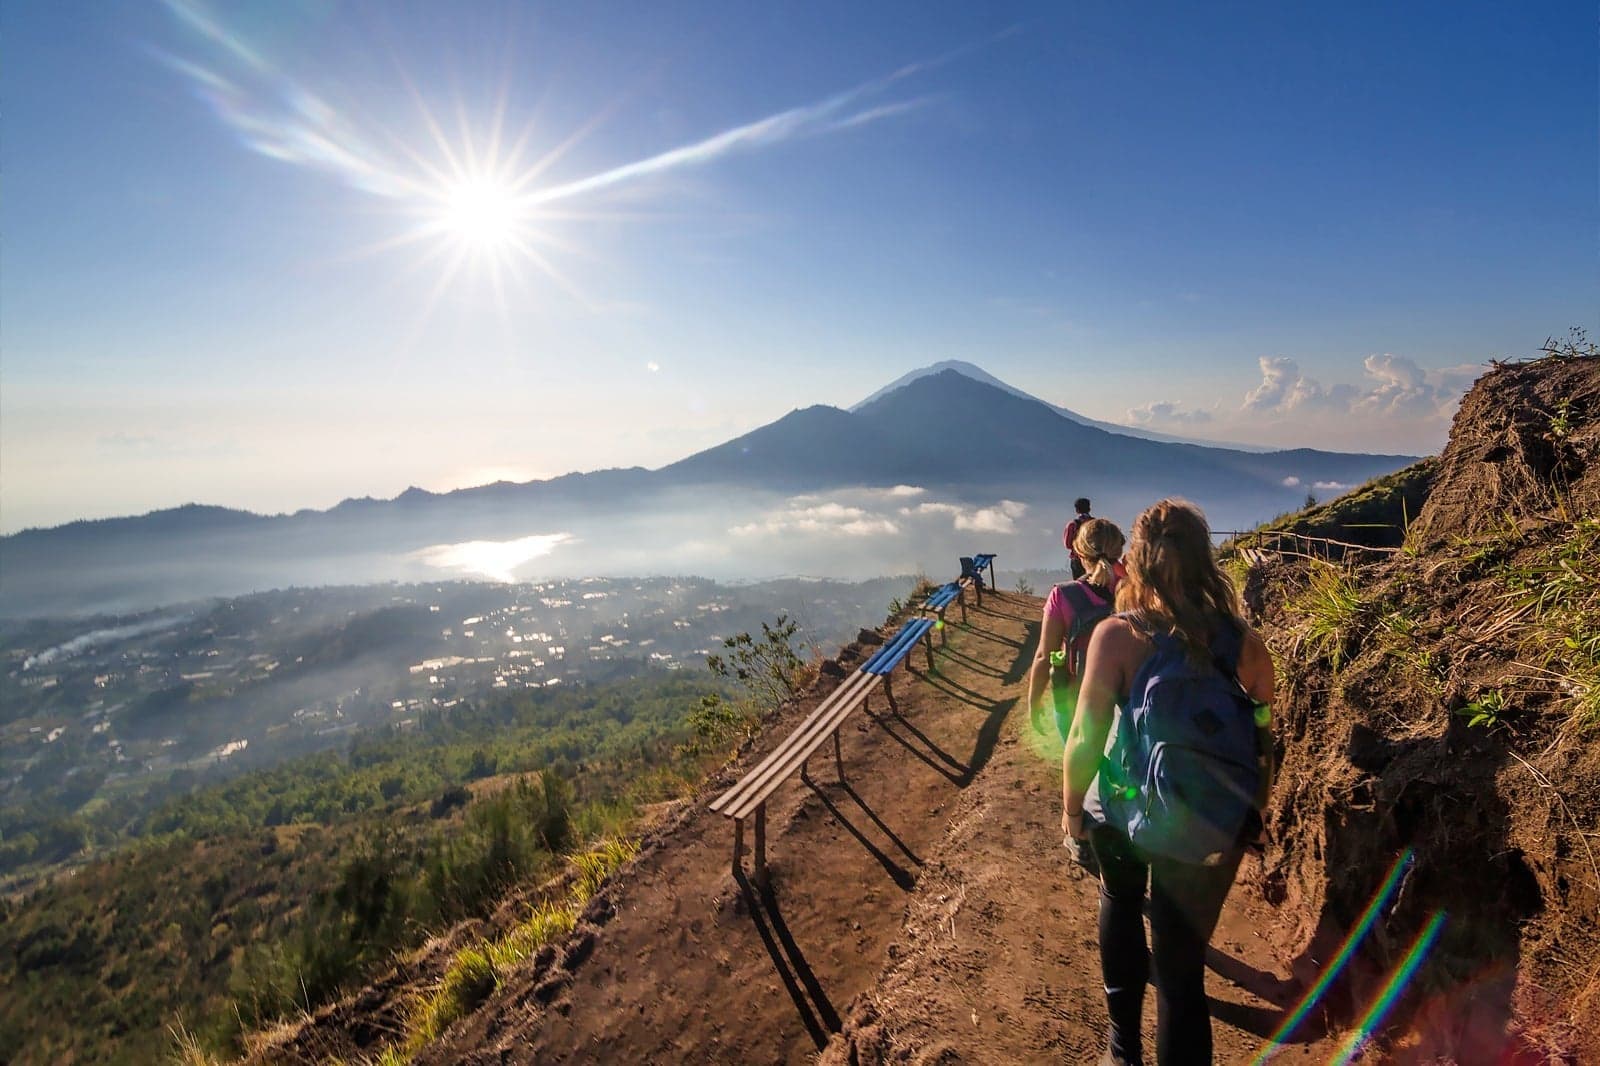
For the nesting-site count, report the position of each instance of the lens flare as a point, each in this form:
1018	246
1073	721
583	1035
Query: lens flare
1341	958
481	198
1387	996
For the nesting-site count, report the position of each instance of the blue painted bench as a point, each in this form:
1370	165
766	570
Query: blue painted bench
748	798
943	596
972	574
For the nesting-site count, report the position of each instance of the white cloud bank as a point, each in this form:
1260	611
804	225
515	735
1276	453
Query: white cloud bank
1395	386
1397	405
859	513
801	515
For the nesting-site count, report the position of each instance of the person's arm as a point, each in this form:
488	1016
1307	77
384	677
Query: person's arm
1258	678
1051	634
1112	647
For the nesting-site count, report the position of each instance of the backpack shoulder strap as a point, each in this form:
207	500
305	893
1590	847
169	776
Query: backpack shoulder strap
1075	595
1227	646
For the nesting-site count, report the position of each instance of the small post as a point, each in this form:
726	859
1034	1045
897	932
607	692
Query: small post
738	846
761	844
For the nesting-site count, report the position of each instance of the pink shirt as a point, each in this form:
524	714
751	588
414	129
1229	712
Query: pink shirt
1057	607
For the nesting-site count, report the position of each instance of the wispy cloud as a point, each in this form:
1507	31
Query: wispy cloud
279	117
1001	518
862	513
801	515
826	116
1167	413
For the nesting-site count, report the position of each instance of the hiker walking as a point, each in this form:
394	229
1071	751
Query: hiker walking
1181	788
1071	612
1069	535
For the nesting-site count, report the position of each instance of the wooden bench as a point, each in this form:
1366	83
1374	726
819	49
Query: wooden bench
747	800
973	575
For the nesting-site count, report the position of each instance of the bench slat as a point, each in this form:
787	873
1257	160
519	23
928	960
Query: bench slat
890	655
761	772
895	650
791	761
760	782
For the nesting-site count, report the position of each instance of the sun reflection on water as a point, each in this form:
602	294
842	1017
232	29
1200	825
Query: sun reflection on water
496	560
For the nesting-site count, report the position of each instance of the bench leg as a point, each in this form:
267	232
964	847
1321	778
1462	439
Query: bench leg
761	845
838	755
963	609
888	692
927	647
738	846
991	573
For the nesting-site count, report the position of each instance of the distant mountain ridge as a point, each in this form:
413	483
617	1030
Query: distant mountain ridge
947	433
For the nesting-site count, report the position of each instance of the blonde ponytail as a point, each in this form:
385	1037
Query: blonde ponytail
1099	544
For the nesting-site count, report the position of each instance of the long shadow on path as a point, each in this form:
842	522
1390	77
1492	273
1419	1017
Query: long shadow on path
810	1000
897	873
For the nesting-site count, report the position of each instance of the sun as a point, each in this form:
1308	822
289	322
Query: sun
483	213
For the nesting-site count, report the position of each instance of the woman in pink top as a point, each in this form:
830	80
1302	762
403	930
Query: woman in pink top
1070	614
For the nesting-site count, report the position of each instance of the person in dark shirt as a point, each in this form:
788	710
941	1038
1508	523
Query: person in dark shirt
1070	534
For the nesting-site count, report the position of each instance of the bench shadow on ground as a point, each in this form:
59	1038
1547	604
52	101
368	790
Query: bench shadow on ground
1004	607
971	663
902	877
812	1005
922	747
810	1000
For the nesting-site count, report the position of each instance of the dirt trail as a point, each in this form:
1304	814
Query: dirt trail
920	908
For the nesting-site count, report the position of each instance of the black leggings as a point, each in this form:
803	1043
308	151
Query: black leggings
1185	902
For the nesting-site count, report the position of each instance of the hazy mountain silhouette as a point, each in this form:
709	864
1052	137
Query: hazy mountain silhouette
945	432
948	430
977	373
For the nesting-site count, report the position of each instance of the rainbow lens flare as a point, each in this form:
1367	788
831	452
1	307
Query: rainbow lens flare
1351	941
1385	1000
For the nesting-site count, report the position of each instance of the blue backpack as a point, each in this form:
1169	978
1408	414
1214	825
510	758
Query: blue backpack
1183	774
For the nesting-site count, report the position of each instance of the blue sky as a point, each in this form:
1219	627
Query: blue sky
238	265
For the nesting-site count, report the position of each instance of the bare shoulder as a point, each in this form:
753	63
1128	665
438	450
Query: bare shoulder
1256	671
1118	634
1254	647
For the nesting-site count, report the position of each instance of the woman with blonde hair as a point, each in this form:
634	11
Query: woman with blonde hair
1071	612
1175	799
